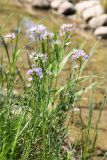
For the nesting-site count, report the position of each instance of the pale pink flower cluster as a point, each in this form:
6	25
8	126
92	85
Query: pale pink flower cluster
79	54
66	29
10	36
41	56
37	29
39	32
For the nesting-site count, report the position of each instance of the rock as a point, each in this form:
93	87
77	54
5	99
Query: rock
101	32
43	4
98	21
56	4
66	9
93	11
81	6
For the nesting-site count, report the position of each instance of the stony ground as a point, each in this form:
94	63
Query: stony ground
91	11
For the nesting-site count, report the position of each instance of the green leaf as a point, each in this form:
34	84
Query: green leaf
62	64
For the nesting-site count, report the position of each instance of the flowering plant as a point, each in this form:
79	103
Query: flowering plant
32	123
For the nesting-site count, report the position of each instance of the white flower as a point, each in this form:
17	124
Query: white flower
32	55
28	85
76	109
68	43
9	36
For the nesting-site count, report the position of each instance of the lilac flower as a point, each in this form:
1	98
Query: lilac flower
30	71
37	71
40	32
9	36
65	29
36	31
79	54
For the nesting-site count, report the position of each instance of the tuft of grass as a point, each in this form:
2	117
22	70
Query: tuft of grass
32	121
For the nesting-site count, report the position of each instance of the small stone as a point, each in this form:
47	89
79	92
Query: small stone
56	4
43	4
66	9
98	21
94	11
101	32
81	6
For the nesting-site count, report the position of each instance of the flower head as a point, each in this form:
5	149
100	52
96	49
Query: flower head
9	36
30	71
41	56
39	32
32	55
76	109
67	43
65	29
37	71
47	35
44	58
36	31
79	54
